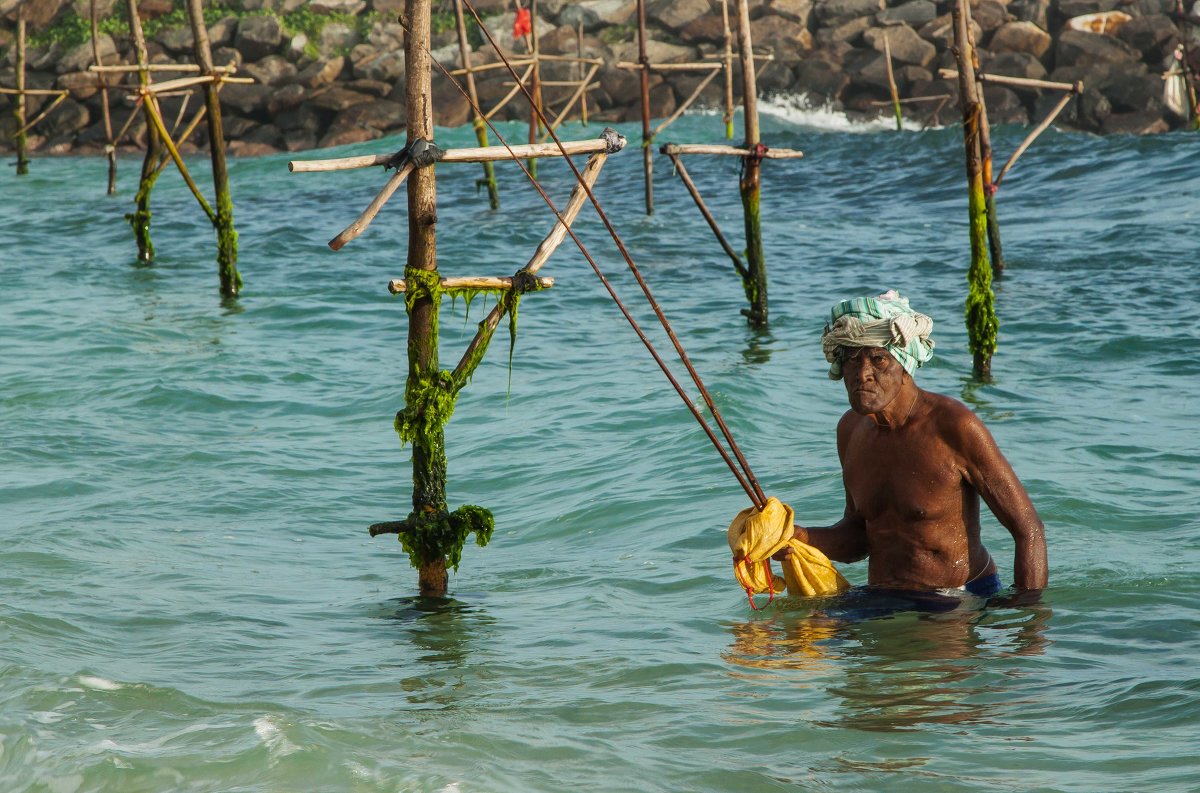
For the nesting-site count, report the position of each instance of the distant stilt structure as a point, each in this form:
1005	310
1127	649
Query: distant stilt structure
982	324
464	49
110	147
753	270
985	155
891	77
22	141
227	246
139	219
432	535
644	67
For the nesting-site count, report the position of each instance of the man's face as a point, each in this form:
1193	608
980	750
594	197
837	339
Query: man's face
873	378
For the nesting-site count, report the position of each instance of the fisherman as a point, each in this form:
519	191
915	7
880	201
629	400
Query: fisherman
915	465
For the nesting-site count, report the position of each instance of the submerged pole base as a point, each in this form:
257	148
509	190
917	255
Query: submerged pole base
432	578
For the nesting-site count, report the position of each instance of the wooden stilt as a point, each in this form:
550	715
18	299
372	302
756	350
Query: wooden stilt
750	183
140	218
891	76
982	324
1038	130
110	149
727	59
583	102
985	157
464	49
227	247
428	453
535	86
19	112
647	139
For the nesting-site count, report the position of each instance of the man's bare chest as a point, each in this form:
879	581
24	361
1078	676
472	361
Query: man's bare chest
904	477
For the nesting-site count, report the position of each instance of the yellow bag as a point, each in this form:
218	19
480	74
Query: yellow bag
754	536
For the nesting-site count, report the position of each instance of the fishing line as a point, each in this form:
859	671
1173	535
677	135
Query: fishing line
744	476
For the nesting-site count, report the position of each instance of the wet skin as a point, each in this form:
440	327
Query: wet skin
915	465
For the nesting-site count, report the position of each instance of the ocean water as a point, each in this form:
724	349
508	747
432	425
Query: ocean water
189	600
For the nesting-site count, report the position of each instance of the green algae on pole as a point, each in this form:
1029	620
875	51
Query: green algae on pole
139	219
19	110
227	237
981	320
750	183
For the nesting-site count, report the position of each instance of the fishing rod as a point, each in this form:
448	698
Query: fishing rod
744	475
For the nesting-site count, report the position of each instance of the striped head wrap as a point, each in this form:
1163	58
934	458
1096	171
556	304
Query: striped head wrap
885	321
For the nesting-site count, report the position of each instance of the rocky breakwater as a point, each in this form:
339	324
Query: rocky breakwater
331	72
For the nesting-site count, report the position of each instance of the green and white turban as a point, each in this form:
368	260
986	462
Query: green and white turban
885	321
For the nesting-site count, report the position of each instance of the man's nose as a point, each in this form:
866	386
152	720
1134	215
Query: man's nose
861	374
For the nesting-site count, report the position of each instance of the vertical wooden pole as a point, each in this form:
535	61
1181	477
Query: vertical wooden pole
227	248
464	49
429	452
535	85
891	76
751	180
22	142
728	60
111	148
140	218
982	324
985	156
647	155
583	108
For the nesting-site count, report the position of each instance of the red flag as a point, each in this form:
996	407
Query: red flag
522	25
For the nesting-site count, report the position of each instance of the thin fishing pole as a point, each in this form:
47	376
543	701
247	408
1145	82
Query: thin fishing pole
632	266
752	490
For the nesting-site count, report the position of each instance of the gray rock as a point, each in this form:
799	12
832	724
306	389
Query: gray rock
300	119
323	72
223	56
594	14
940	32
1140	123
285	98
372	87
798	11
708	28
67	119
245	99
835	12
989	15
351	7
1154	36
387	67
39	59
222	32
339	99
1015	64
914	13
1021	37
269	134
1004	106
338	135
336	37
1092	109
41	14
906	45
383	115
272	70
847	32
1073	8
78	59
1075	47
82	85
675	14
1133	93
1035	11
258	36
177	41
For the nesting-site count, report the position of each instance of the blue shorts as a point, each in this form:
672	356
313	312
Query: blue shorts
985	587
866	602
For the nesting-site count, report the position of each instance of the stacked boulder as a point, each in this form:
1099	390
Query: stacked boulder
343	81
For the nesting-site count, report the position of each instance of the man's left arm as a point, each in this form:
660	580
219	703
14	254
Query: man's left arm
993	478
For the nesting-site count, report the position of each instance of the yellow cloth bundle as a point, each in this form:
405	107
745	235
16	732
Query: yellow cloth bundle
754	536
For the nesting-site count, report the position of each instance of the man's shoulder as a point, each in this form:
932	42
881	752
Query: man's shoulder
952	417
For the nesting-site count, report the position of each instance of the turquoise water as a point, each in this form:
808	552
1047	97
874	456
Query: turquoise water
189	599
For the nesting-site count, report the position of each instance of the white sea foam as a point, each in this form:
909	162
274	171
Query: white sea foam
272	737
801	111
99	683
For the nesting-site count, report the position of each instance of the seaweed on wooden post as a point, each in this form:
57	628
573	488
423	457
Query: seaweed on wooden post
982	324
891	78
139	219
428	448
750	183
464	49
985	156
647	139
22	141
227	238
110	148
